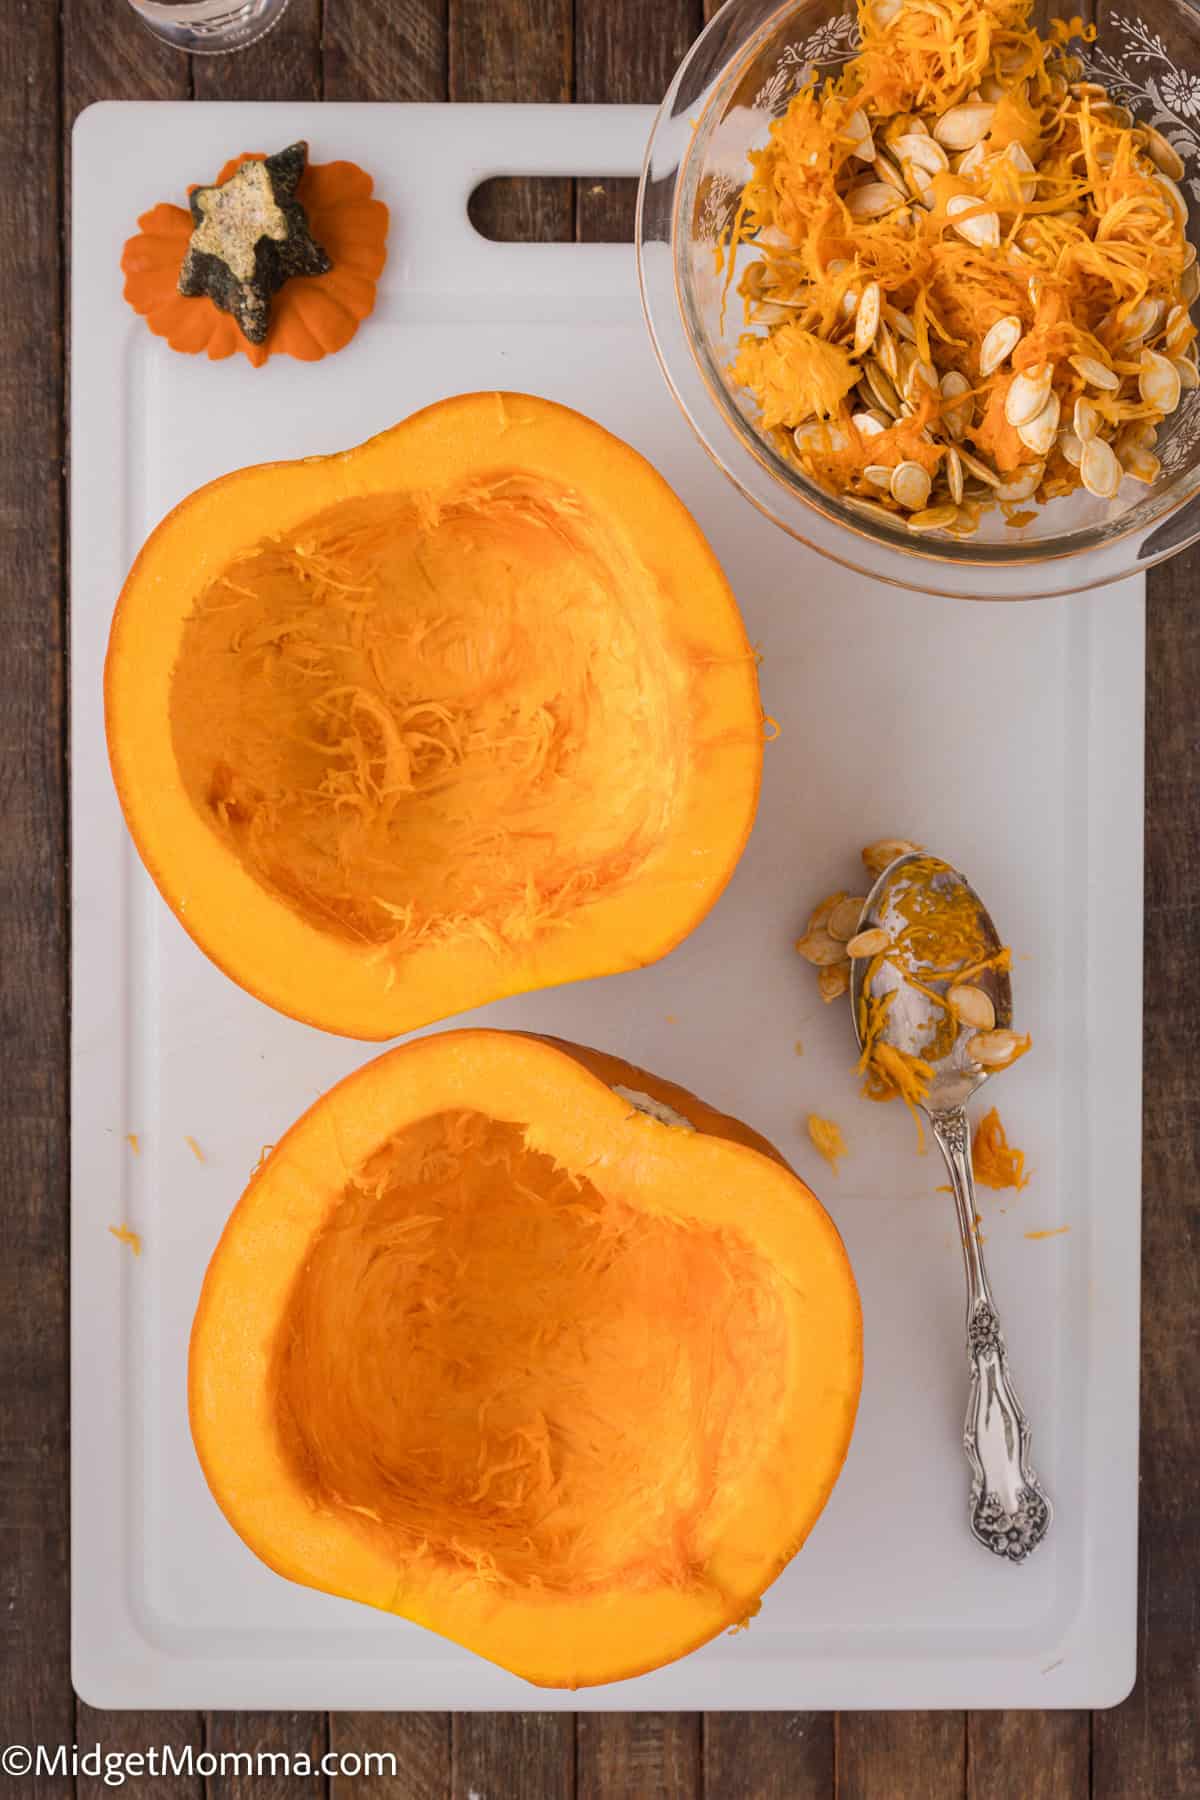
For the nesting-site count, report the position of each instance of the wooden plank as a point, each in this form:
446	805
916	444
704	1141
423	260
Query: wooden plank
769	1756
902	1755
513	1756
36	1704
284	65
1044	1755
251	1735
126	1733
515	50
653	1755
417	1746
625	52
386	50
1149	1748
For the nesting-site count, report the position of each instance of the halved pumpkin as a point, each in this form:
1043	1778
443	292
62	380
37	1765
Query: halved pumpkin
462	712
530	1347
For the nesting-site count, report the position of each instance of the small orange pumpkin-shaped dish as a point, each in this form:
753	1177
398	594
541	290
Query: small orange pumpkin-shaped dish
311	316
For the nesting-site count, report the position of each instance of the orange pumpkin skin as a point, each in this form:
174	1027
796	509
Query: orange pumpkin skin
576	1416
574	673
311	316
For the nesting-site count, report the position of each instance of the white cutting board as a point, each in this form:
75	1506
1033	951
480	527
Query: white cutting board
1009	738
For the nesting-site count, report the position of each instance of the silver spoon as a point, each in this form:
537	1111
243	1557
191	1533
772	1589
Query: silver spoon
1010	1511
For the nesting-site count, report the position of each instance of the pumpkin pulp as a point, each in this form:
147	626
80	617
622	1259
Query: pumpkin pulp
420	718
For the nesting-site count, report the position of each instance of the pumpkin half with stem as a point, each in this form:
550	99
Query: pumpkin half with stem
462	712
529	1347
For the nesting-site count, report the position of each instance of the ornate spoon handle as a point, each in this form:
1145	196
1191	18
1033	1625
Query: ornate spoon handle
1010	1511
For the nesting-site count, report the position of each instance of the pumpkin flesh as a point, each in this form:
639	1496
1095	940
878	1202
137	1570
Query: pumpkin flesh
486	1345
465	711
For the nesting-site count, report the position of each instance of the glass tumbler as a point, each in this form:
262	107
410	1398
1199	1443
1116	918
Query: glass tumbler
209	27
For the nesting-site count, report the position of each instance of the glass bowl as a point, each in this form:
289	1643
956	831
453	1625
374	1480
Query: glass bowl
739	75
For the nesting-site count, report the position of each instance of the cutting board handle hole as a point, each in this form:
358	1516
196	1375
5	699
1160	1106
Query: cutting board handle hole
538	209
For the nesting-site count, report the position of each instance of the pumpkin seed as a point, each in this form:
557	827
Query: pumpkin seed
1071	447
871	421
902	325
878	474
1023	484
1099	469
999	342
886	354
1088	90
873	509
866	320
884	11
833	982
868	943
954	476
992	1049
1159	383
965	523
821	435
1096	374
919	148
858	130
971	159
889	172
957	407
920	184
842	922
972	1006
910	485
883	852
1086	418
965	126
1178	329
1164	155
1173	194
978	227
1027	394
1189	283
932	518
1019	157
1185	368
976	466
1112	113
882	389
872	200
818	948
919	374
1038	434
1141	321
1143	465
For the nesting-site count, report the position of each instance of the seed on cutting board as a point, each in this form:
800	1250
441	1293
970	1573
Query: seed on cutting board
964	126
834	981
1071	447
842	922
910	485
1038	434
999	342
818	948
1159	383
1163	154
1099	469
884	851
992	1049
933	518
868	943
1027	395
1096	374
866	320
972	1006
971	221
872	200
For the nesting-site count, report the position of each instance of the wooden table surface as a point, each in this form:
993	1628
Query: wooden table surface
56	56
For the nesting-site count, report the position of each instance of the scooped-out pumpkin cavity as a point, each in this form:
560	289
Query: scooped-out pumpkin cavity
495	1365
425	717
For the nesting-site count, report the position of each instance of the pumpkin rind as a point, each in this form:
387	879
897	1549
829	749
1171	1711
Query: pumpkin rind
713	1181
270	947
